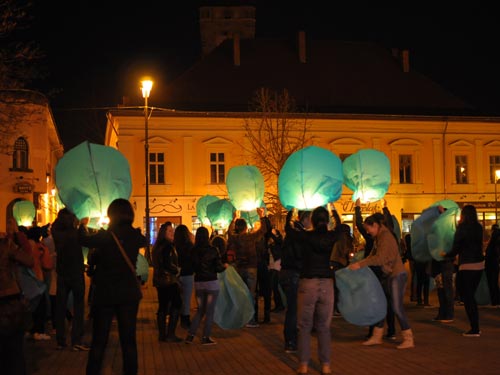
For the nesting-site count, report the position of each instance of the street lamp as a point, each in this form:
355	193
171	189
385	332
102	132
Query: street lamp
146	90
497	177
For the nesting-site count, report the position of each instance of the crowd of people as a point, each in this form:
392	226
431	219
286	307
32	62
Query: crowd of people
294	271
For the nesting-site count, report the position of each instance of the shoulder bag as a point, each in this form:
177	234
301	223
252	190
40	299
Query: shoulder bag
129	263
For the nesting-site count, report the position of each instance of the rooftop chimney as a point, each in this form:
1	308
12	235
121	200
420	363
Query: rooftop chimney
302	47
236	49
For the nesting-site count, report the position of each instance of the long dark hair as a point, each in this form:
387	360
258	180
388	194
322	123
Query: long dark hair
468	215
320	218
120	211
376	218
202	238
182	237
160	238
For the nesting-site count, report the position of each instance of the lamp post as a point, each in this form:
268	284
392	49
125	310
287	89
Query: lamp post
146	90
497	177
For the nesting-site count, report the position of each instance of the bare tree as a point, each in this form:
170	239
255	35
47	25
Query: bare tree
18	58
273	133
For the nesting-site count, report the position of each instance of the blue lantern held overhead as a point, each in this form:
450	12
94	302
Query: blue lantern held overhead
24	212
310	177
420	228
368	174
220	213
201	208
245	186
89	177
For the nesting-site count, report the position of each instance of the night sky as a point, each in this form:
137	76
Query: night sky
98	51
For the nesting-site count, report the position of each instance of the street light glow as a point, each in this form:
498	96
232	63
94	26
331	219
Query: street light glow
146	87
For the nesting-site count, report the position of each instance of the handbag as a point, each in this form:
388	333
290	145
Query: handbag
129	263
167	279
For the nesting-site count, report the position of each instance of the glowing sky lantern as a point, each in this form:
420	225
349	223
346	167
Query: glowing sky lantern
310	177
368	174
89	177
24	212
245	186
201	208
220	213
442	233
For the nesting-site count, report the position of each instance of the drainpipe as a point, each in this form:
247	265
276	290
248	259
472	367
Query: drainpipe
444	158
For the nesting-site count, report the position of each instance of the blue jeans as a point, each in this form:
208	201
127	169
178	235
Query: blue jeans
396	290
249	277
289	280
187	291
126	315
206	300
315	301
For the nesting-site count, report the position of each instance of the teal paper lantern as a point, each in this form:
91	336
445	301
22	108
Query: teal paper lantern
89	177
368	174
220	213
442	233
245	186
24	212
201	208
420	228
310	177
142	267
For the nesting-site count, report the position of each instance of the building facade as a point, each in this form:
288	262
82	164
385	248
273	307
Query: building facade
30	148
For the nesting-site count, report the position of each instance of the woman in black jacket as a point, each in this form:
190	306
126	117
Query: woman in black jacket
206	263
117	291
468	245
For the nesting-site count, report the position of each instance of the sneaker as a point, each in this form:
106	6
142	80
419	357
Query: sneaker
207	341
252	325
290	348
390	336
41	337
81	348
428	306
471	333
189	339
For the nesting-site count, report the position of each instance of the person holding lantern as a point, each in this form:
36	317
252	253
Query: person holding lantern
244	244
385	253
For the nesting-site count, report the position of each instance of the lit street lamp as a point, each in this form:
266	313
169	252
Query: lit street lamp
497	177
146	90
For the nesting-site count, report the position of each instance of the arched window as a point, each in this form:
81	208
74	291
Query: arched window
20	156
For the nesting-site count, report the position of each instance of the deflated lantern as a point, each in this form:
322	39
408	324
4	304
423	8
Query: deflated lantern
310	177
220	213
201	208
24	212
368	174
245	186
89	177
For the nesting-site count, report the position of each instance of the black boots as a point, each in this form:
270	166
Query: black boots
161	318
185	321
172	325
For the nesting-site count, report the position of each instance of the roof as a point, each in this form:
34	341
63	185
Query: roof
337	77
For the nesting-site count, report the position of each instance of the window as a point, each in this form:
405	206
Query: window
494	166
405	169
20	156
217	168
156	168
461	170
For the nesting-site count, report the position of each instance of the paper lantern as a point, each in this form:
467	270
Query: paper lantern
361	298
368	174
201	208
245	186
142	267
220	213
420	228
89	177
442	233
310	177
24	212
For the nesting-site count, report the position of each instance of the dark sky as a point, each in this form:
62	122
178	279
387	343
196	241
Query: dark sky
97	51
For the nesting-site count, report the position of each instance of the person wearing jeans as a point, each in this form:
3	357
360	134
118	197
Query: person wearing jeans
206	264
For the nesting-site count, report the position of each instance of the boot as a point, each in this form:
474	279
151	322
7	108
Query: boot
407	340
185	321
376	338
161	318
172	325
